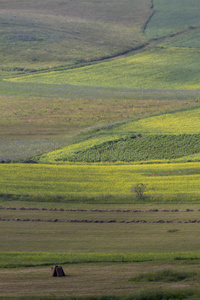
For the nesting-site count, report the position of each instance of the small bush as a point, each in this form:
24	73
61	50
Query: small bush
139	190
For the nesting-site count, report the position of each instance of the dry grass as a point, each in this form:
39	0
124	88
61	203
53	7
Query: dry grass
90	280
47	117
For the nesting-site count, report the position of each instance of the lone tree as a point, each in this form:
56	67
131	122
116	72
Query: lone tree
139	190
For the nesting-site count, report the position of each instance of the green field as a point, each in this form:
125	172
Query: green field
172	17
134	148
157	68
88	276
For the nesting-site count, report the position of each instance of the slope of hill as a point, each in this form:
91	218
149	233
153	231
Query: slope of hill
157	68
168	136
163	66
38	35
51	105
171	17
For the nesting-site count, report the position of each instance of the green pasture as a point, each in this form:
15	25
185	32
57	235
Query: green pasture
155	68
183	122
171	17
85	233
169	65
96	183
97	257
66	238
44	112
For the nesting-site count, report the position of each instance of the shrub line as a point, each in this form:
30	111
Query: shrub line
98	210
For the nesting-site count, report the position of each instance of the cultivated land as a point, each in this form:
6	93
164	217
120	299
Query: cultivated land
97	97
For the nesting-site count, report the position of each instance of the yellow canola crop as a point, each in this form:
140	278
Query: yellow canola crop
165	180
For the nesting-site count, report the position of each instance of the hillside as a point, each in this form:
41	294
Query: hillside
41	35
72	92
165	63
99	149
167	136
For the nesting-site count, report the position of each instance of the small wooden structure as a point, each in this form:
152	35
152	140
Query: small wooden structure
57	271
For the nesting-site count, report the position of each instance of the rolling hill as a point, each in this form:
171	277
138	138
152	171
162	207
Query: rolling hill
99	148
73	90
41	35
166	136
169	64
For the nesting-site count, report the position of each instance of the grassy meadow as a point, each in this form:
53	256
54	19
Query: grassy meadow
171	64
98	97
154	68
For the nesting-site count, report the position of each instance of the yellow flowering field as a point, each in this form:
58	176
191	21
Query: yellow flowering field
175	123
164	180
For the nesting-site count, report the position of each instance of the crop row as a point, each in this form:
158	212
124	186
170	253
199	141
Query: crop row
23	259
122	143
110	221
152	210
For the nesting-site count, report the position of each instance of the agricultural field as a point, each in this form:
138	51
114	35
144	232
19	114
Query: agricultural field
99	149
99	247
38	118
166	136
167	182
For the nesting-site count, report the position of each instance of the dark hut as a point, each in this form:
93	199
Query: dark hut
57	271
